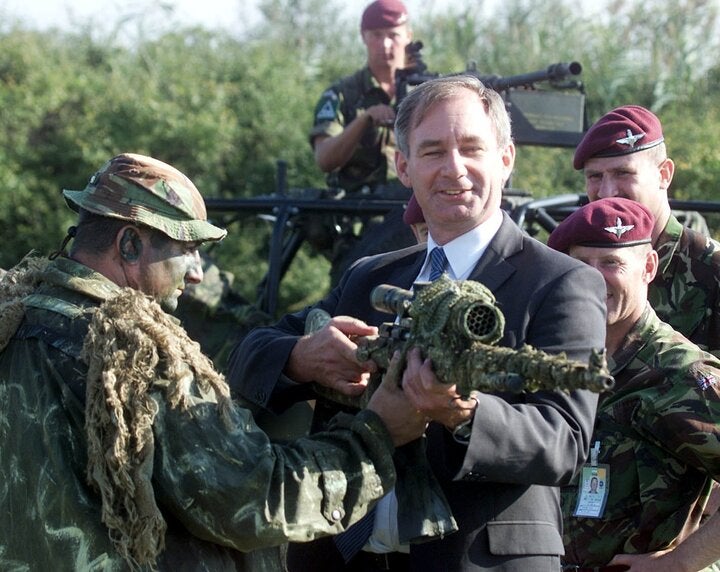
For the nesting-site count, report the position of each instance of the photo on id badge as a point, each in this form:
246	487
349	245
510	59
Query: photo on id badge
593	491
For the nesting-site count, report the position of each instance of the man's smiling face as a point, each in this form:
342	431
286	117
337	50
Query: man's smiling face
455	166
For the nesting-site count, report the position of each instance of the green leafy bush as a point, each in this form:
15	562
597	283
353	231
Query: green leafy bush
225	108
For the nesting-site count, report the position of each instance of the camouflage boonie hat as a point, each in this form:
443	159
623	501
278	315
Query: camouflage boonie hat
147	191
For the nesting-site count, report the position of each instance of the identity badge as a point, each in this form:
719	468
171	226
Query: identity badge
594	485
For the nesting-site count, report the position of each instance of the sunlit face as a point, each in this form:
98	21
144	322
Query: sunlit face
386	46
165	267
637	176
455	166
627	272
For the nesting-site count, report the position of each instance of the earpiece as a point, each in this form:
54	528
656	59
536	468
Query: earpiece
130	245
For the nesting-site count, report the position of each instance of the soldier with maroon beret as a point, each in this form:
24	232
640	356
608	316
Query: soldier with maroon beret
656	441
624	155
352	133
354	144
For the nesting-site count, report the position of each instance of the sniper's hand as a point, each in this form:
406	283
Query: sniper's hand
404	422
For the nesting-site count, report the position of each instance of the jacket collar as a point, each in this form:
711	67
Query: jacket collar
494	268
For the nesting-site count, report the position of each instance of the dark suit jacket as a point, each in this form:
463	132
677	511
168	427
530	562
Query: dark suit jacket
502	485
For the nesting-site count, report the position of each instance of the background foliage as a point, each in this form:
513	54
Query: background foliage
224	108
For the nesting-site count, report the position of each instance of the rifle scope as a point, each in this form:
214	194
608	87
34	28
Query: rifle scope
391	299
477	318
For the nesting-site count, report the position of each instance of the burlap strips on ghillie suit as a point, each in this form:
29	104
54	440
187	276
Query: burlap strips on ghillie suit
16	284
131	343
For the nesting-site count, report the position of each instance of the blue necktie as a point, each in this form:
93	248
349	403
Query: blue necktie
350	542
438	262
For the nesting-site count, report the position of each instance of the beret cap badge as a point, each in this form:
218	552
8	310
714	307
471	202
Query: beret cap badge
630	139
613	222
619	229
624	130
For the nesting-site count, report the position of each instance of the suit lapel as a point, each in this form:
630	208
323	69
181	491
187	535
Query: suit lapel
494	268
401	268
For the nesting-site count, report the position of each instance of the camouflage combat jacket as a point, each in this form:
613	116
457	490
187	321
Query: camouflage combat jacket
222	492
659	432
373	162
686	291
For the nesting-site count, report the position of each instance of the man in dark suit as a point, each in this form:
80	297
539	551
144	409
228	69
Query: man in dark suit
500	457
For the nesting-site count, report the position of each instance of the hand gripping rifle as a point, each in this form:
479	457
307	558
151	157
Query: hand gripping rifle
456	323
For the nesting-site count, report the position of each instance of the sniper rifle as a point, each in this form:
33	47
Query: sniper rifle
457	324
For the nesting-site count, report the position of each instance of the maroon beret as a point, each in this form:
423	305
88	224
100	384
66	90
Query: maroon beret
610	223
623	130
413	213
384	14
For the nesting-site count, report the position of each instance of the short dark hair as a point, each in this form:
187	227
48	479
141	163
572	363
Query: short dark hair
97	233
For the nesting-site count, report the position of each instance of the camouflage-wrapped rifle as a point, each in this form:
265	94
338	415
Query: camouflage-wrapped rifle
456	323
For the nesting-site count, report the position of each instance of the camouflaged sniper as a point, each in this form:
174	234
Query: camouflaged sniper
53	519
456	324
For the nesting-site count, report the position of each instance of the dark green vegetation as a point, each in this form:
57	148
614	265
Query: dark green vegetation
225	108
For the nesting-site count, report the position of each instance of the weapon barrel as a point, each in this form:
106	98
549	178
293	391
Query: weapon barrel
270	203
554	72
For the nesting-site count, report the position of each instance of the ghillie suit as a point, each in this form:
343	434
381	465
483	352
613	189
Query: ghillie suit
98	385
131	344
15	284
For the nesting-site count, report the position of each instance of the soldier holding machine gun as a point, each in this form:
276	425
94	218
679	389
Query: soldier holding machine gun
353	141
352	133
500	456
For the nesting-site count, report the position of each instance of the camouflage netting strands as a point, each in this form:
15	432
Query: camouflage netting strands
17	283
131	344
144	190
